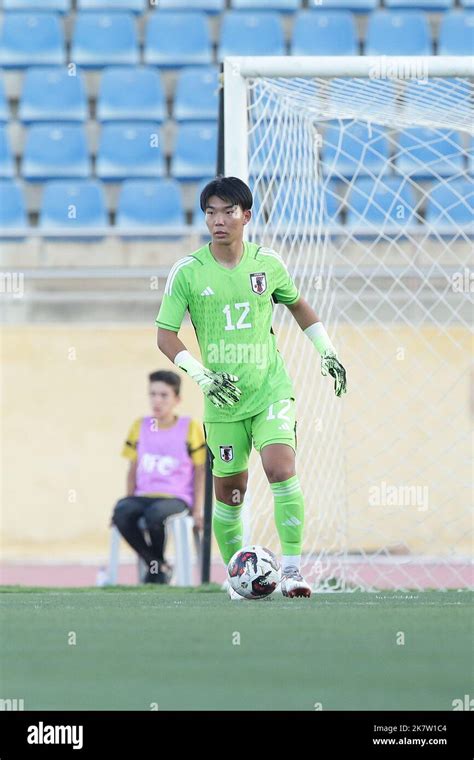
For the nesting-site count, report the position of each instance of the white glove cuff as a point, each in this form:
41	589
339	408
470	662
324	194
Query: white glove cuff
320	339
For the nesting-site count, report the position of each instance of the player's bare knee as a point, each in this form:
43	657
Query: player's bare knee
231	490
278	474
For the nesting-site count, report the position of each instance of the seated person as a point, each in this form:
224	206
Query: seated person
167	456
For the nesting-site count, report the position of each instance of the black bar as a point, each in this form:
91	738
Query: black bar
207	527
346	734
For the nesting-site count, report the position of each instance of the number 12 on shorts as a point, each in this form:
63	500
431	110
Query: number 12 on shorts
280	415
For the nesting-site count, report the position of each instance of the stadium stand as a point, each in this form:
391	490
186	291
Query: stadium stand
12	205
129	150
251	34
195	151
429	5
134	6
7	163
423	153
150	203
51	94
270	5
378	202
55	152
456	34
156	63
60	6
325	33
4	109
361	149
131	94
101	39
178	39
358	6
196	94
451	204
31	39
403	33
208	6
78	204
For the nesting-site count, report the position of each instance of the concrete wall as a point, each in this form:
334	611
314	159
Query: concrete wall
69	394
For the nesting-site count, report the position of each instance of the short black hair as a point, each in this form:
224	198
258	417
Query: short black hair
168	377
229	189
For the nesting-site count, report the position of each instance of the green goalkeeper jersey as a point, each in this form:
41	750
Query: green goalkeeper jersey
231	311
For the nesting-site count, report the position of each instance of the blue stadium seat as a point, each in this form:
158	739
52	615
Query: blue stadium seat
470	156
131	94
398	33
423	152
129	151
31	39
318	33
75	205
4	110
55	152
195	152
380	203
426	5
134	6
196	95
60	6
104	39
12	205
251	34
177	39
360	149
288	6
149	203
456	34
208	6
358	6
50	94
451	204
7	162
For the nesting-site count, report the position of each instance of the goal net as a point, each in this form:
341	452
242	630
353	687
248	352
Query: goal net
362	174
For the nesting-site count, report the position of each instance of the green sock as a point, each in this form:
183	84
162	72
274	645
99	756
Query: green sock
228	529
289	514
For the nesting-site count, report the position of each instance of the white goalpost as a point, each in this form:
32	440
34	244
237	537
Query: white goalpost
362	174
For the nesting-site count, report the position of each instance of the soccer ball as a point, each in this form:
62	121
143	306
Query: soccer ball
254	572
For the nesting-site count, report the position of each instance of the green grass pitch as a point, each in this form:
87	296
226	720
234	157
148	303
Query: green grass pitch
139	648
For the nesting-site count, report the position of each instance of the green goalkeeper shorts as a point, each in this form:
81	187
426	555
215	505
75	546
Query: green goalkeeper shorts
231	442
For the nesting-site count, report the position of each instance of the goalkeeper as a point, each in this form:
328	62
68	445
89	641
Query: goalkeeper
229	288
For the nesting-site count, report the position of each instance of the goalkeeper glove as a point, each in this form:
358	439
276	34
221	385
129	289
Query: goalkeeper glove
330	364
218	387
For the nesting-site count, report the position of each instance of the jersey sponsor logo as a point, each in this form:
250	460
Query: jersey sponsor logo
226	453
258	281
208	292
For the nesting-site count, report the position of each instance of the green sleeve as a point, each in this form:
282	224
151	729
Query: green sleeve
175	301
285	290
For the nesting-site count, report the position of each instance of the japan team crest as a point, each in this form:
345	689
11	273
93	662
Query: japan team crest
258	282
227	453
